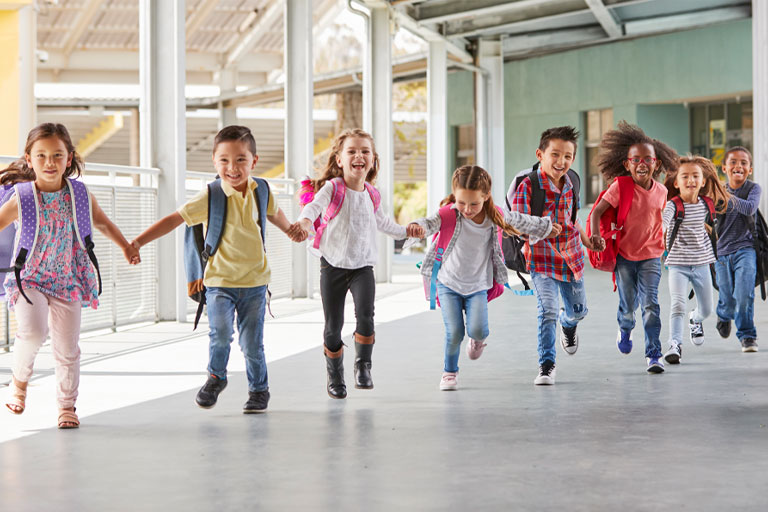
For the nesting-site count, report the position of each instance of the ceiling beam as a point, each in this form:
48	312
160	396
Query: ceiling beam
553	39
86	15
472	9
573	19
606	18
249	38
201	11
686	20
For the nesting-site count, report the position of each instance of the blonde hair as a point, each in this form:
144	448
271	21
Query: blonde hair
332	169
473	177
712	187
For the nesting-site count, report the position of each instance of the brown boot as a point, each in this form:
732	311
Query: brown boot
363	351
334	364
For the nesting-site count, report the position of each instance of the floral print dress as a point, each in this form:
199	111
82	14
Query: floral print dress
58	266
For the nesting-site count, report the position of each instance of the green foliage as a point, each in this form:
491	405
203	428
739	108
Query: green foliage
410	201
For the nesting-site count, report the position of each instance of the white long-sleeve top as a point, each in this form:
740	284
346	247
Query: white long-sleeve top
349	240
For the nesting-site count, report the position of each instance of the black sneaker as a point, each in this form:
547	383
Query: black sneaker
724	328
546	376
569	340
749	345
209	393
257	402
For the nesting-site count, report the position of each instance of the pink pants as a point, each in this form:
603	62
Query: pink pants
33	321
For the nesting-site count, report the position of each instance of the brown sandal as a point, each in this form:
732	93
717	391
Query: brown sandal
68	419
17	403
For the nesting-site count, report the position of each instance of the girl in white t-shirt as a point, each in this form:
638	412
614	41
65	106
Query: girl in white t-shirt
691	252
347	246
472	261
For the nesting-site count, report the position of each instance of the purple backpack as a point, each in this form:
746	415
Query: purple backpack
18	240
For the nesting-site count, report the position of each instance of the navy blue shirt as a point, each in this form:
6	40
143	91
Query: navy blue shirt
734	229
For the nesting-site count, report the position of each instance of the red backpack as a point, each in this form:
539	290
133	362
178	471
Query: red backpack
611	225
447	227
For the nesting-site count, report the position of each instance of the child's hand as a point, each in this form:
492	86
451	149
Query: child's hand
414	230
556	230
296	233
598	243
131	253
305	224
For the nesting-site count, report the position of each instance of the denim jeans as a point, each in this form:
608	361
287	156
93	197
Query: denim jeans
574	309
453	305
638	281
249	304
679	277
736	280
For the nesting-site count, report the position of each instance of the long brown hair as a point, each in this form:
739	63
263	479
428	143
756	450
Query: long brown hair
332	169
712	186
473	177
20	171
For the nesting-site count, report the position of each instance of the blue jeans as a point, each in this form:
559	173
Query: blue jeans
736	280
453	305
679	277
574	309
638	281
249	304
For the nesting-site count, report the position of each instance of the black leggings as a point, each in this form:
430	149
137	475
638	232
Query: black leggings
334	283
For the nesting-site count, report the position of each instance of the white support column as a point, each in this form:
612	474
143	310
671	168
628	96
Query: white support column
27	73
227	83
760	96
481	118
490	56
299	128
437	106
380	54
162	108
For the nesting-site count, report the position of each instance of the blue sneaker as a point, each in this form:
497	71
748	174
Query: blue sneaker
624	341
654	365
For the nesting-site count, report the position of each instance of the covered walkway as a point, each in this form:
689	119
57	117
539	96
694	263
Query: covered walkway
607	436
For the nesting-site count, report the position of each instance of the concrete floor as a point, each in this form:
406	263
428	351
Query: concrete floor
607	436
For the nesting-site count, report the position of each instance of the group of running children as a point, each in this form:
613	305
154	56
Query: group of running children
465	270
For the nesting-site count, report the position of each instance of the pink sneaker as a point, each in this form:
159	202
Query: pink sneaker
475	348
449	381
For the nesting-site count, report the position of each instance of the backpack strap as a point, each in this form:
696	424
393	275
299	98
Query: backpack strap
217	218
677	218
334	207
375	195
576	186
261	194
447	227
538	196
83	217
712	221
26	236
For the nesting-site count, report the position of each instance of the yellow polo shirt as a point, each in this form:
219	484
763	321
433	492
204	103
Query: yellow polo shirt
240	261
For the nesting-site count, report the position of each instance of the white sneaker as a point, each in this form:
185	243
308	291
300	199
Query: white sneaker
697	331
546	376
674	355
449	381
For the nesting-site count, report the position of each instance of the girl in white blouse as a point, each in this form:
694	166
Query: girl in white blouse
347	249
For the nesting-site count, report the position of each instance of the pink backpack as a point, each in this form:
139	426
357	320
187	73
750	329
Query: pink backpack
447	227
307	195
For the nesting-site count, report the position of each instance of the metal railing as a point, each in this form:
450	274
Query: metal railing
128	196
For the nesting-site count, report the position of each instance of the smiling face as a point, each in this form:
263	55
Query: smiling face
689	180
738	167
49	159
470	204
641	163
234	162
355	158
557	158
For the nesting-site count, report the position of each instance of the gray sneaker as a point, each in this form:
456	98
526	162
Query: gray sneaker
697	331
749	345
674	354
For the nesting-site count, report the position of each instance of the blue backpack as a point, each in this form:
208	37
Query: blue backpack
13	252
199	247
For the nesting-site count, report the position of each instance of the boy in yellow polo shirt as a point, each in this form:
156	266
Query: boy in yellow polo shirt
237	274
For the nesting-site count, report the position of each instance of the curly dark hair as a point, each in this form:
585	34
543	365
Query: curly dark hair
615	145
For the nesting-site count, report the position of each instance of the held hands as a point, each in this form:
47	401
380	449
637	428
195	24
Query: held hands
597	242
296	232
131	253
414	230
556	230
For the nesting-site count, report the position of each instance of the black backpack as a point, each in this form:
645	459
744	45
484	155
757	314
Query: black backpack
512	246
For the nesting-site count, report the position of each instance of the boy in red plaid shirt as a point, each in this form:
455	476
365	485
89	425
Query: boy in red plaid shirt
556	265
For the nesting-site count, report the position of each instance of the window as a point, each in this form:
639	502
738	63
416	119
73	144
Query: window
597	123
717	126
465	144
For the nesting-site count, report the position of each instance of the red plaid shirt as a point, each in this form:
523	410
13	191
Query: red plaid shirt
560	258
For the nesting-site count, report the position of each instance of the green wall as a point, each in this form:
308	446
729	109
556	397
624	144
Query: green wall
645	81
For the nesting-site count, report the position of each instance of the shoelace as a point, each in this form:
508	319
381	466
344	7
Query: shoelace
570	336
547	370
697	329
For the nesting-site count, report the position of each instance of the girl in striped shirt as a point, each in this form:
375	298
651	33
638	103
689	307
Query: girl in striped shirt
690	249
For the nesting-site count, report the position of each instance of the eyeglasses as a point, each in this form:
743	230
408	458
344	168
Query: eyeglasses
647	160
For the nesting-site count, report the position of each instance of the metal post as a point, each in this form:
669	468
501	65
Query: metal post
162	108
760	96
380	101
299	128
491	58
227	83
437	106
